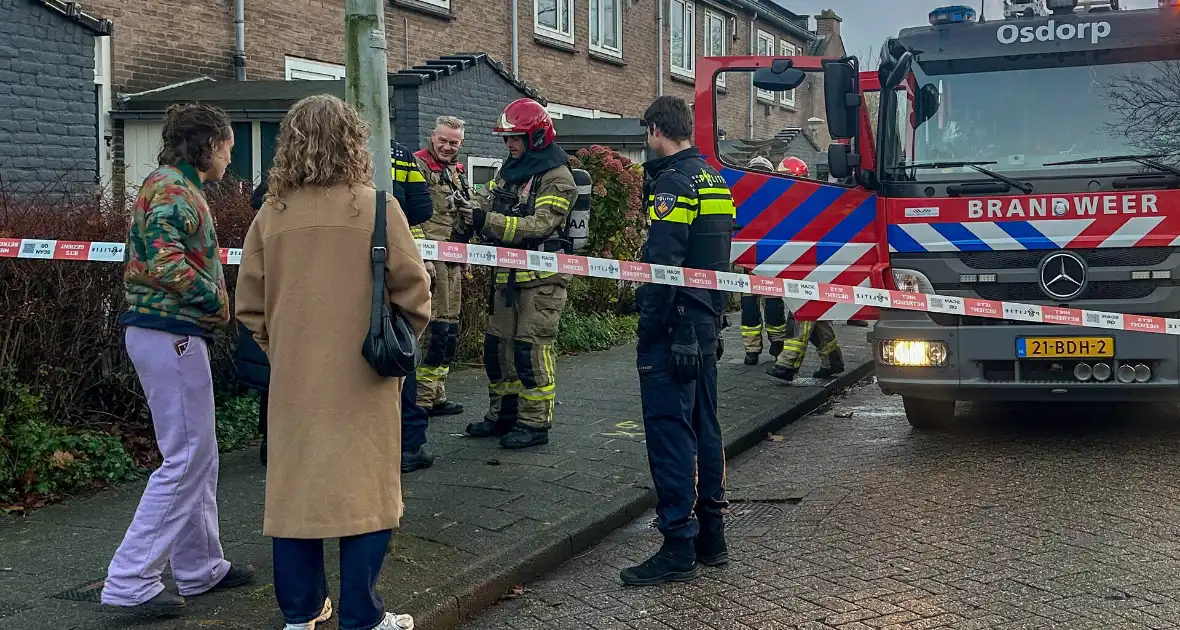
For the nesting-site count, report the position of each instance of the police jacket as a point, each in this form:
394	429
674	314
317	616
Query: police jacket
692	216
544	204
444	181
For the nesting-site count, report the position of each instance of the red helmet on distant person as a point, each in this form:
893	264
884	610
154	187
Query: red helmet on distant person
526	117
794	166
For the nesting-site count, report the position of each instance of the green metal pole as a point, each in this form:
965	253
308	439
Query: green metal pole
366	80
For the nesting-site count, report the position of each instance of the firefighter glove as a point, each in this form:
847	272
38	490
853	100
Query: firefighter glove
685	353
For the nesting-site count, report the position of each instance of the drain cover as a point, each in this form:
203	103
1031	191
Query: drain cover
85	592
752	520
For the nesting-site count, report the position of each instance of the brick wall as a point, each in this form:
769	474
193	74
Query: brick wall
48	112
476	95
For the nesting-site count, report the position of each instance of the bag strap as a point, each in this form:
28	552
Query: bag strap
379	254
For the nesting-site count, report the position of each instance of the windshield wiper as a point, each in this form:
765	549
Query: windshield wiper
1146	160
977	165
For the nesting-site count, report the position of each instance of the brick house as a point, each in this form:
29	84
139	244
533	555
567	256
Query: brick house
54	83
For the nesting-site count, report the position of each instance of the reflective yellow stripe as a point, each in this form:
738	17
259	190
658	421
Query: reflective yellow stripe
777	329
506	388
718	206
829	347
415	177
679	214
540	393
405	172
552	200
751	331
417	232
510	224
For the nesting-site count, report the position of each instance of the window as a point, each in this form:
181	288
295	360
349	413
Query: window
481	170
683	30
787	49
765	49
554	18
606	27
715	33
299	69
442	4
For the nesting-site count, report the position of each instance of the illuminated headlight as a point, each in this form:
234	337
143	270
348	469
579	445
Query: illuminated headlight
912	281
906	353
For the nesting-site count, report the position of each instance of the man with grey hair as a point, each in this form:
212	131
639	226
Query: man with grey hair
439	161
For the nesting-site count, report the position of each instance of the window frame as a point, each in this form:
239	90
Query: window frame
330	71
618	26
787	98
558	111
474	161
688	11
759	37
565	9
710	15
442	4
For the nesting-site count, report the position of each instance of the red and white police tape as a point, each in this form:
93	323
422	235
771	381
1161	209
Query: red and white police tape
489	256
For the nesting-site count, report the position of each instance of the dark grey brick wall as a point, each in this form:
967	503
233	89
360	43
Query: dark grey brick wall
477	95
48	112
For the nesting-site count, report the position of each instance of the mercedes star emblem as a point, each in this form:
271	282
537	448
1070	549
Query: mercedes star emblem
1063	275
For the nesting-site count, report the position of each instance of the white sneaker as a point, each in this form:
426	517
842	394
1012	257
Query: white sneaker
325	614
396	622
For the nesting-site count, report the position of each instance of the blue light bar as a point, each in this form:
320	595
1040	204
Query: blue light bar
952	15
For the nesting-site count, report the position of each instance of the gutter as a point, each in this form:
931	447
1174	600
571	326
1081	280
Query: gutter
240	40
753	51
756	7
660	49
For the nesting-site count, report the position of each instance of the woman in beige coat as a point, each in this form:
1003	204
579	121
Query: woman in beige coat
304	290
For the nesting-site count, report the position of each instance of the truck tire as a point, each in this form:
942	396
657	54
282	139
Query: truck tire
924	413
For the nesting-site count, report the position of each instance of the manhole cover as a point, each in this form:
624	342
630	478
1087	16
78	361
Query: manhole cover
752	520
85	592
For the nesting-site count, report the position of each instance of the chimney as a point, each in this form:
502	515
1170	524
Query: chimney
827	23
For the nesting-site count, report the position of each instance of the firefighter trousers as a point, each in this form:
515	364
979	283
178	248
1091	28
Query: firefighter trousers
821	335
753	323
440	342
518	354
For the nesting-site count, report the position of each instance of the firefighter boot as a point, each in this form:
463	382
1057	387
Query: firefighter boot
781	372
524	437
676	561
490	428
416	460
752	358
446	408
836	366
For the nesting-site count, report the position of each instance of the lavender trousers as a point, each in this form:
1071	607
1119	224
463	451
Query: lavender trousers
177	516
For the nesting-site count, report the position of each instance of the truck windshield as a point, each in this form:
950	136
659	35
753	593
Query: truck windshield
1021	121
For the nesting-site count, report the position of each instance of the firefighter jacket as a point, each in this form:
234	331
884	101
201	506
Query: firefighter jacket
692	216
543	205
409	188
445	181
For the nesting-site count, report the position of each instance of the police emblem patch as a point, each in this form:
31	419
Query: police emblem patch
663	204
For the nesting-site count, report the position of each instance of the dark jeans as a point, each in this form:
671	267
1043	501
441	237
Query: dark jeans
414	417
684	447
301	585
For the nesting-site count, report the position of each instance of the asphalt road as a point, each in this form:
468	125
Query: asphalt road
1049	516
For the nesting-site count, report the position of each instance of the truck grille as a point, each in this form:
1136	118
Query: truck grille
1113	257
1030	292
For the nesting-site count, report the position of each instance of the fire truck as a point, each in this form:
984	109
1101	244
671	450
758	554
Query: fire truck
1026	160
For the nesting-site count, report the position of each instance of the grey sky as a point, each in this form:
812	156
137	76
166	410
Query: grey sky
867	22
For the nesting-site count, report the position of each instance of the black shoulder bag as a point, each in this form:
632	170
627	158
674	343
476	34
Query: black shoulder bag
391	346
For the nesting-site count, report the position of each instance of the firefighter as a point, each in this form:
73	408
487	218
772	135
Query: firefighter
525	206
754	305
821	334
692	216
448	188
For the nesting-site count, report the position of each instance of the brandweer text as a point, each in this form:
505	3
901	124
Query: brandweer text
1058	206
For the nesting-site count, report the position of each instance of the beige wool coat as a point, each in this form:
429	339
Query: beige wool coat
334	427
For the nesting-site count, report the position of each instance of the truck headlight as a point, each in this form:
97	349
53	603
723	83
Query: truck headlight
911	353
912	281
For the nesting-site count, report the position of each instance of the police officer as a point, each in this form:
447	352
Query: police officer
692	217
775	322
448	188
525	206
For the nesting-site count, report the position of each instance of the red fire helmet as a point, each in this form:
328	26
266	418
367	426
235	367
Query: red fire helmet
526	117
794	166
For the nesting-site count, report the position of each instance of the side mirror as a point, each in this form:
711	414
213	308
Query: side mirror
782	80
842	97
928	101
842	163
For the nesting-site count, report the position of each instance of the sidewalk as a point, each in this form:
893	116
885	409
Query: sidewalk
482	520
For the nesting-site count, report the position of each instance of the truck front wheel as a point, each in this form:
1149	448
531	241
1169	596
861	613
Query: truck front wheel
924	413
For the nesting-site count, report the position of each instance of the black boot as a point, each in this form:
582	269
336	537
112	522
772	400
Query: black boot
836	366
776	348
446	408
416	459
490	428
780	372
752	358
711	548
524	437
676	561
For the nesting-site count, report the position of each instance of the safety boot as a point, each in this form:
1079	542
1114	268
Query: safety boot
676	561
490	428
524	437
835	366
416	459
781	373
776	348
752	358
445	408
711	548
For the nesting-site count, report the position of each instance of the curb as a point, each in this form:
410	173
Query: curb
481	585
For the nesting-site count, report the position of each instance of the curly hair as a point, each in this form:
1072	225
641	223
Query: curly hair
190	131
323	141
